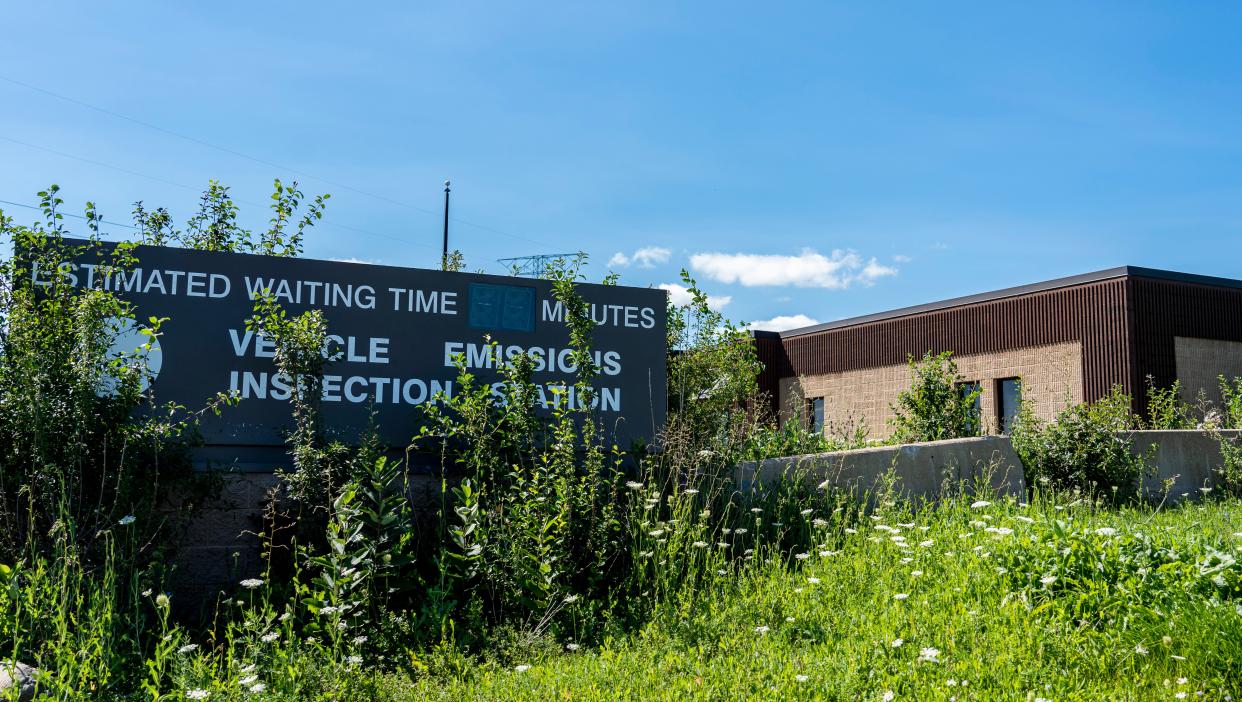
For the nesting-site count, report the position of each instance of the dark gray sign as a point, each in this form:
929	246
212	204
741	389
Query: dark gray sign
394	332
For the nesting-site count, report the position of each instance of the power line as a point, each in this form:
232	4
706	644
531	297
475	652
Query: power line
158	179
67	214
264	162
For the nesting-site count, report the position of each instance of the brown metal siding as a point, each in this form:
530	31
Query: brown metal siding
1166	309
771	354
1093	314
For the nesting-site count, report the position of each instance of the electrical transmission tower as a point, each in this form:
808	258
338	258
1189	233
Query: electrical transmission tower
533	266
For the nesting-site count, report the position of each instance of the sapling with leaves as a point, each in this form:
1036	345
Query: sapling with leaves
937	405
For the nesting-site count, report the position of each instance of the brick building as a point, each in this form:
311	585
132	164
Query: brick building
1069	340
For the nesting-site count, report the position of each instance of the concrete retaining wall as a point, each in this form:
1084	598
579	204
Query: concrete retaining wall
1181	463
922	471
1187	460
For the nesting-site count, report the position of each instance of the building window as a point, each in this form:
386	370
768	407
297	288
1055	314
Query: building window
967	389
815	414
502	307
1008	401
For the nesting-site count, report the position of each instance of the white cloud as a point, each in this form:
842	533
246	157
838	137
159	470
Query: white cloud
355	260
783	322
680	295
901	258
809	269
646	257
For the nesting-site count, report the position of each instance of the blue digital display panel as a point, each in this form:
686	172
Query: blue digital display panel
507	307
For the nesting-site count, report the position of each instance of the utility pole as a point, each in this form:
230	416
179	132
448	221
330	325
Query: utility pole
444	257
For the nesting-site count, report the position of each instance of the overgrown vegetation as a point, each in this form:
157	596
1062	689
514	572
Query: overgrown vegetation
554	564
937	405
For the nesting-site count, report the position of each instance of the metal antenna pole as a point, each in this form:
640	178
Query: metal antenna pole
444	257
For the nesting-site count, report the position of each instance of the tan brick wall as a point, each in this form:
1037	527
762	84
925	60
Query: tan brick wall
1199	361
1051	376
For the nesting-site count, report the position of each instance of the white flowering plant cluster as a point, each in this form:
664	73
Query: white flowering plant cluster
1106	576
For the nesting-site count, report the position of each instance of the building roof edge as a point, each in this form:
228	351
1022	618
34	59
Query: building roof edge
1054	284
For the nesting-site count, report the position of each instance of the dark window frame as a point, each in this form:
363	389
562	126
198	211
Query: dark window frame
1001	409
965	387
810	414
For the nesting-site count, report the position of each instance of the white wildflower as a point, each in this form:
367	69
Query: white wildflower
926	544
849	530
633	485
762	630
980	504
741	532
813	581
187	648
656	534
1105	531
1048	580
251	583
257	688
127	520
1141	650
802	556
819	523
247	680
930	655
901	596
916	573
699	544
354	660
897	643
359	640
571	647
197	694
801	678
521	668
270	637
756	510
887	696
689	491
806	512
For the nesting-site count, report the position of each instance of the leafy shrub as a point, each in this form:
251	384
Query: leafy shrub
1086	447
1231	402
1166	409
795	438
81	444
935	406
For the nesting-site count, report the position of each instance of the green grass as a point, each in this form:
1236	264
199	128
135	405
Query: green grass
1129	615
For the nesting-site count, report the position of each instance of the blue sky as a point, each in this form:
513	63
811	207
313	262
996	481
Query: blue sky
938	149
